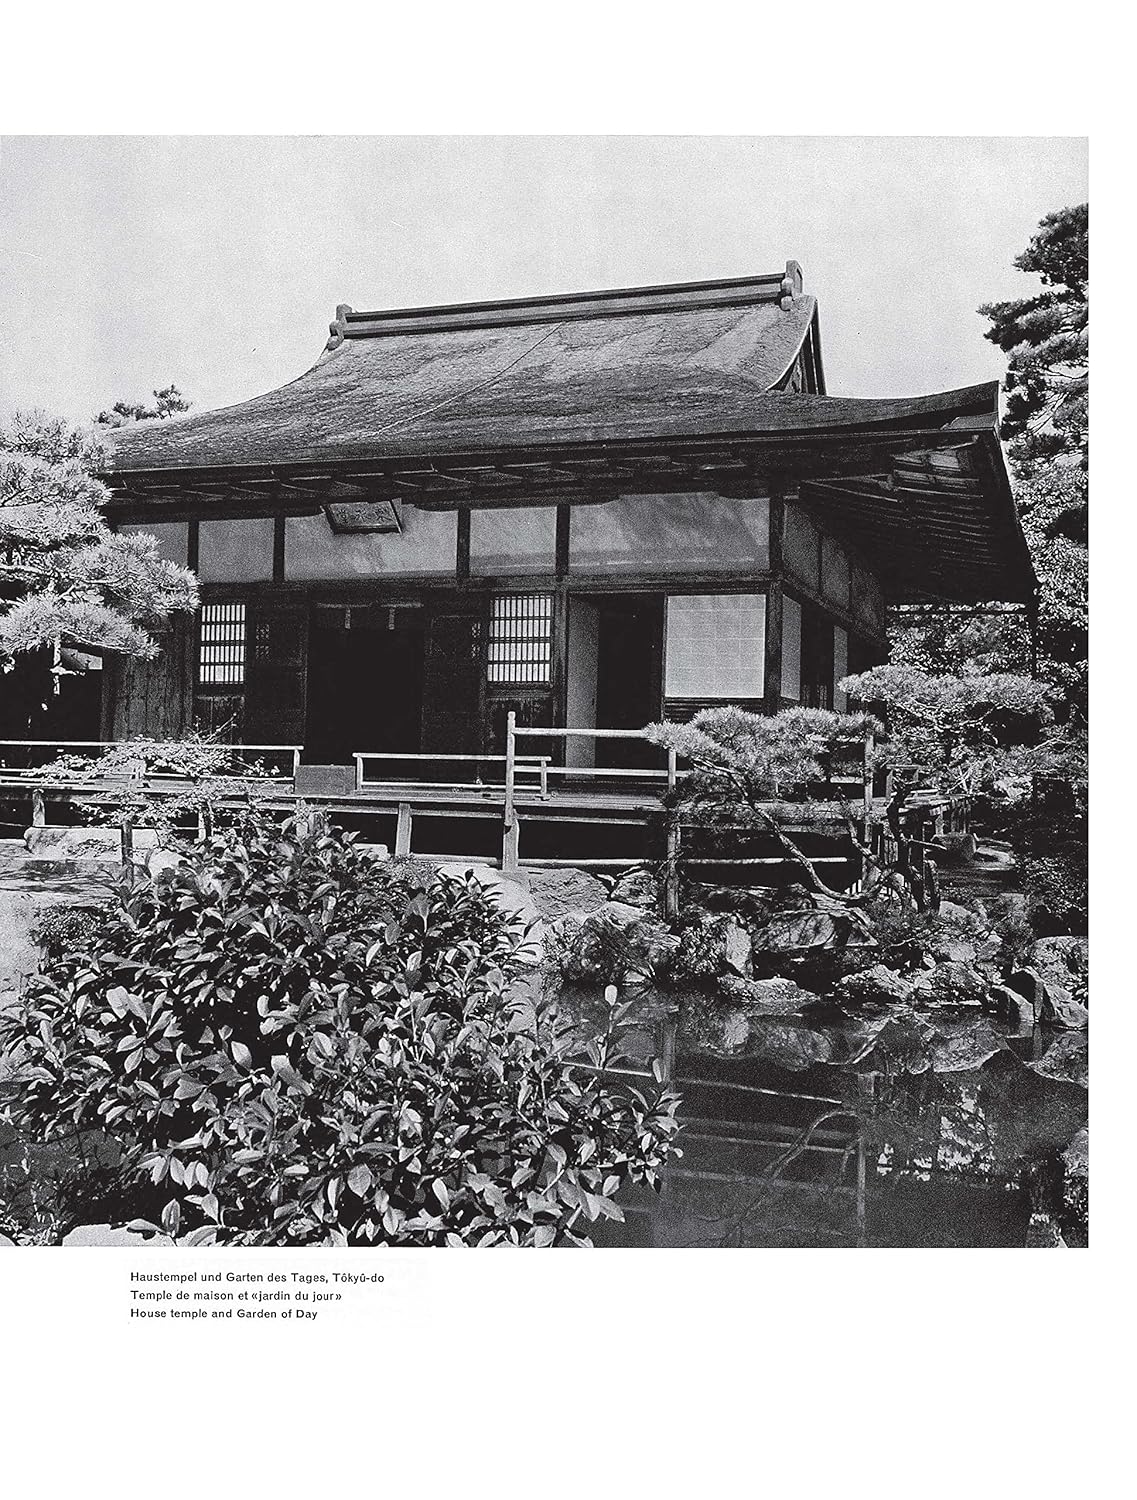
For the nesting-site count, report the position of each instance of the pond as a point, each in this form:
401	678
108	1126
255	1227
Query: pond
899	1129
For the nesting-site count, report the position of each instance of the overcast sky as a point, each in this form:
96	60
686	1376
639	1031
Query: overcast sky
217	262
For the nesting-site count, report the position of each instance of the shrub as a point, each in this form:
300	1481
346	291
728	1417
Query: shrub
292	1043
203	780
1057	892
67	929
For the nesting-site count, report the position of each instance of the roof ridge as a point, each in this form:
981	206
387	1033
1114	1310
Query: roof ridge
781	287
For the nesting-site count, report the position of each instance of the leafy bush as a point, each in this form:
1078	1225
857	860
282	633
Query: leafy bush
202	780
294	1044
1057	892
67	929
47	1191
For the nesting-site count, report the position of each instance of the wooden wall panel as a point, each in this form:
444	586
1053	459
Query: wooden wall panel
154	698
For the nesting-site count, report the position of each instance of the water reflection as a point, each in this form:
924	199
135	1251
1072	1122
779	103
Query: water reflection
903	1129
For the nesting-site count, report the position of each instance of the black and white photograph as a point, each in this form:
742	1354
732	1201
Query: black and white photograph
544	706
597	765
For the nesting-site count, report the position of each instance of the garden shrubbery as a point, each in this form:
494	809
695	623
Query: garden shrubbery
293	1043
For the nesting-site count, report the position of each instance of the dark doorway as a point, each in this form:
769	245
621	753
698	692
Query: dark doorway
629	674
365	670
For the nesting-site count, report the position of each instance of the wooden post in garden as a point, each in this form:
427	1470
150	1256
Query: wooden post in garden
509	835
126	844
671	873
867	777
674	836
403	831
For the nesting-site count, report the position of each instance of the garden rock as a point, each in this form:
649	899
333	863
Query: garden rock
793	1048
1060	1009
637	888
84	843
1010	1005
769	997
795	930
615	943
1063	962
556	892
879	985
1054	1004
950	984
967	1049
962	937
707	1025
507	895
1067	1060
736	947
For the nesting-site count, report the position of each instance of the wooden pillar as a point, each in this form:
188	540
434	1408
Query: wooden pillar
558	675
773	689
462	556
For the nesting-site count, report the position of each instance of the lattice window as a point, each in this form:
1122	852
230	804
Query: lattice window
521	640
221	654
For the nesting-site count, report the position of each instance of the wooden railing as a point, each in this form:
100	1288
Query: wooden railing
289	754
536	765
40	781
510	856
486	786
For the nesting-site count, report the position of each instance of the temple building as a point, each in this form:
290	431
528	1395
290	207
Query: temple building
591	510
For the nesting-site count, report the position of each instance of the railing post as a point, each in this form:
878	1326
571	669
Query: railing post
544	778
509	835
403	830
126	843
868	781
39	811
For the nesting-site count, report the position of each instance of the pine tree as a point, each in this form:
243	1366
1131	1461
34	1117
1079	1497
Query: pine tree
67	580
168	402
1047	339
